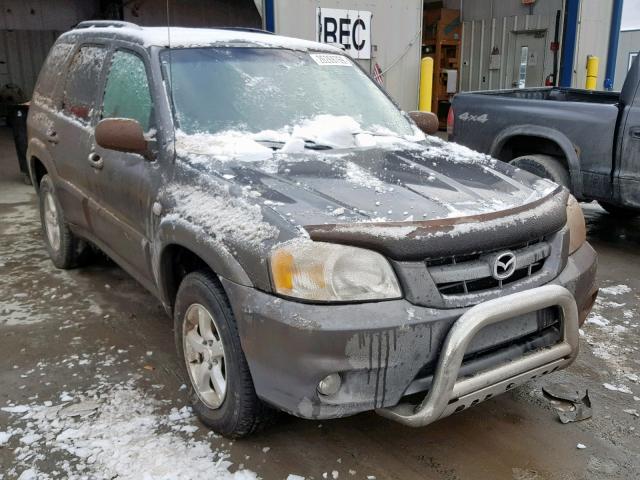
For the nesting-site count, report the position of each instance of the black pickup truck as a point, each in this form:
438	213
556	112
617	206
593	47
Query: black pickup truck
585	140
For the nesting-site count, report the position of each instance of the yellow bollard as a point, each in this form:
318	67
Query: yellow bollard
426	84
592	72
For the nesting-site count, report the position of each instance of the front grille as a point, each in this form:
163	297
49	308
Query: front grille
465	274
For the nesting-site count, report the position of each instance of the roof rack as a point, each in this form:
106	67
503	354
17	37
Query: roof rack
245	29
107	23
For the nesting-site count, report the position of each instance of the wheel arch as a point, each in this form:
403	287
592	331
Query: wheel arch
39	162
549	141
181	254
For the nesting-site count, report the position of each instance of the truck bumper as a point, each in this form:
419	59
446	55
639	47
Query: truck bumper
384	351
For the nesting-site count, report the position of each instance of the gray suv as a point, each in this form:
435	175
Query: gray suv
318	252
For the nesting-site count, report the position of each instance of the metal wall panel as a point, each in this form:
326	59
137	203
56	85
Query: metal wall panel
629	43
592	39
194	13
487	9
481	36
396	36
28	28
23	52
59	15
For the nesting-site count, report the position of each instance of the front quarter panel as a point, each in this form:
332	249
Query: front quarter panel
220	222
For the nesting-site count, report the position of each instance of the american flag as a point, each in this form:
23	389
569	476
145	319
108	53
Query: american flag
377	74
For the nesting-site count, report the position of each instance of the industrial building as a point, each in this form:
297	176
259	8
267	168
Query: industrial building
475	44
628	48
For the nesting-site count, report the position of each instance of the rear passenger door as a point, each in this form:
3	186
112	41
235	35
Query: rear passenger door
121	182
69	134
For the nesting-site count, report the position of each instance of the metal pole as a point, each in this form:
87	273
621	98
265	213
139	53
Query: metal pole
269	16
572	7
612	53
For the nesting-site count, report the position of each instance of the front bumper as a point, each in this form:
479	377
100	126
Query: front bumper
385	351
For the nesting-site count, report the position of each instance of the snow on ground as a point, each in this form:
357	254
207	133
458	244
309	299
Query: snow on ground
605	331
19	257
112	431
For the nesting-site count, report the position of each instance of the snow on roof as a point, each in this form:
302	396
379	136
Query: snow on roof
181	37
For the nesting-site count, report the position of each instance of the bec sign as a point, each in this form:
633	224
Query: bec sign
349	29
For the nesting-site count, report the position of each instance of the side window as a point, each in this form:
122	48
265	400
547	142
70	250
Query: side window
127	94
52	70
81	86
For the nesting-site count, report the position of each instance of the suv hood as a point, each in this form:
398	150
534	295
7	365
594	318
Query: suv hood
409	193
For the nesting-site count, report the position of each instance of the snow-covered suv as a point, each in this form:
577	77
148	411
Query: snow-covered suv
319	254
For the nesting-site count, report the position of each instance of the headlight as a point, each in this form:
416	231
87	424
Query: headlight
577	227
332	273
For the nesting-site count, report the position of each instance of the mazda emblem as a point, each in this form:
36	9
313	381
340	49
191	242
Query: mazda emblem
504	265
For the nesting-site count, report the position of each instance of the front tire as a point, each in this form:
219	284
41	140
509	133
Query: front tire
544	166
64	248
222	392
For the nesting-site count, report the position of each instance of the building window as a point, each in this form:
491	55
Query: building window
524	60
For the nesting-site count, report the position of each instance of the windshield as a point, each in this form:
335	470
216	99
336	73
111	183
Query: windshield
258	89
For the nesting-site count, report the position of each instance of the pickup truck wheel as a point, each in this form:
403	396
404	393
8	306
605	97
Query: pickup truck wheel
617	211
544	166
222	392
64	248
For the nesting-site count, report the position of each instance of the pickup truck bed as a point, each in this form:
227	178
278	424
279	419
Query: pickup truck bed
590	139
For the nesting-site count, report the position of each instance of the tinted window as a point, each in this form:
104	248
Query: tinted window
50	73
127	92
82	82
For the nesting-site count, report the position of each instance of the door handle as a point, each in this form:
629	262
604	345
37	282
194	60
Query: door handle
95	161
634	132
52	137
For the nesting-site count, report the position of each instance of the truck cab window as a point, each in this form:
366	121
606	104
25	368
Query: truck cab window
127	92
82	82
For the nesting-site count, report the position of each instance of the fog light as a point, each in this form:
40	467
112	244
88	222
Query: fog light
330	384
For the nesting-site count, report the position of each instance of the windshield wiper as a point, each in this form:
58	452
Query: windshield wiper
308	144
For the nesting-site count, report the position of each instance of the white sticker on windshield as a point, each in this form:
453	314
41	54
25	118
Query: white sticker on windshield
331	59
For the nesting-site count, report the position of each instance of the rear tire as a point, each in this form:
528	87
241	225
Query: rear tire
620	212
222	392
544	166
64	248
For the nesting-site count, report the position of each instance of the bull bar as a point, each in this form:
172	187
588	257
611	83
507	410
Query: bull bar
448	394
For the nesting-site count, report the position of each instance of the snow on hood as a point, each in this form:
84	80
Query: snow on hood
335	131
367	178
221	214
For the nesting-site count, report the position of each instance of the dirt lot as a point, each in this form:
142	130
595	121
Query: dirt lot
89	386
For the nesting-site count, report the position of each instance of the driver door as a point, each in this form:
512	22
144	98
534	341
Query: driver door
122	182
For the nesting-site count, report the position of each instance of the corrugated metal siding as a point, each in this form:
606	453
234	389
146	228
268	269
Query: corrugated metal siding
28	28
59	15
479	37
396	28
22	53
194	13
629	43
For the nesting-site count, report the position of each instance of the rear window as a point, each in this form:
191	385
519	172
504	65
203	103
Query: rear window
81	86
51	73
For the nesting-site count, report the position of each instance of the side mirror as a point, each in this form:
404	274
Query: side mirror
426	121
122	135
